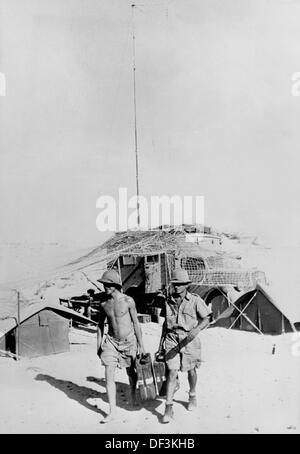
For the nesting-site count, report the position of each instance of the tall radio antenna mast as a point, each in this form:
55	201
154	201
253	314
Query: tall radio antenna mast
135	121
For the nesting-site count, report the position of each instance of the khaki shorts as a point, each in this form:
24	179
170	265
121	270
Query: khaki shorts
119	353
189	356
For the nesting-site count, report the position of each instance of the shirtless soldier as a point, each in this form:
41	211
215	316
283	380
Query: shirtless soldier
123	339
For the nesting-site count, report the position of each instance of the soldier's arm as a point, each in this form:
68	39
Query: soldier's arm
163	333
202	324
136	325
100	327
203	316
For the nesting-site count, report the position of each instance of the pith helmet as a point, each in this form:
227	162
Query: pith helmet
111	277
180	276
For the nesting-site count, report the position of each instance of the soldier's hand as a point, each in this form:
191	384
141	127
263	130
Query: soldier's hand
160	355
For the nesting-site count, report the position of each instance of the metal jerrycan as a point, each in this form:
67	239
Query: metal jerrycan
145	378
159	372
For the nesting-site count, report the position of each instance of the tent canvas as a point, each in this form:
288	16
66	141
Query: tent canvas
42	334
259	312
43	330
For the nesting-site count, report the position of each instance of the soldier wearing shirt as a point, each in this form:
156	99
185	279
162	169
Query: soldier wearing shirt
186	314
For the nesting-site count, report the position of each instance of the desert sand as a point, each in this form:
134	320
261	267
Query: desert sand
242	388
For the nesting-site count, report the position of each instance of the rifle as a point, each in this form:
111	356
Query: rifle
91	281
191	336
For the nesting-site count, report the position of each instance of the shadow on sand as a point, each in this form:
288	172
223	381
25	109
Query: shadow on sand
123	390
81	394
75	392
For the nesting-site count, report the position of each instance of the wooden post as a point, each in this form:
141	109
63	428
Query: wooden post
166	272
160	271
168	276
18	327
282	324
119	269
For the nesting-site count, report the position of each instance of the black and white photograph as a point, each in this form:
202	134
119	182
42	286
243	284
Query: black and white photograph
149	219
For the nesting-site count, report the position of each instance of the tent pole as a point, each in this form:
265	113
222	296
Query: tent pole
259	319
241	313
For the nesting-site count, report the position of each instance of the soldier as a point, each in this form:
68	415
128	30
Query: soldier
186	315
123	340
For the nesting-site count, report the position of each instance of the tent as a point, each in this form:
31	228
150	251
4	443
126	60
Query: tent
217	301
213	297
43	330
262	310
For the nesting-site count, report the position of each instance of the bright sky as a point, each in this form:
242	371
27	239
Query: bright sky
215	112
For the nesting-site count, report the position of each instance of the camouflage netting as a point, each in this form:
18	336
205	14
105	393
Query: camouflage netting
207	264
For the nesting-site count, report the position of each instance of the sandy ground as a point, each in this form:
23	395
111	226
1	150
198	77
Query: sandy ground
242	388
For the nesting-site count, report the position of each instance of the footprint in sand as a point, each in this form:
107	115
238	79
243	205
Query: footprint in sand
114	419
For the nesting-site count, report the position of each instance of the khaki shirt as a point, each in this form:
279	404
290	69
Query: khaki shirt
186	315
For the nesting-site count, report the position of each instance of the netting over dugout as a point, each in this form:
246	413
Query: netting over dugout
205	262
